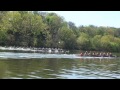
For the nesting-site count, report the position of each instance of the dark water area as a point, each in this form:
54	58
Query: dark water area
19	65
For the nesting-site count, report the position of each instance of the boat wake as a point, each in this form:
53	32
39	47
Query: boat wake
13	55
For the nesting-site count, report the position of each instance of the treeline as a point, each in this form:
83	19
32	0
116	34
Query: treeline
42	29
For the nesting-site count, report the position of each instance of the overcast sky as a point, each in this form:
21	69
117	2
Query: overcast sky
97	18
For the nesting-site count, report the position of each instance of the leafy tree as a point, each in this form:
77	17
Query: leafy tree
83	41
72	26
42	29
68	38
96	43
54	23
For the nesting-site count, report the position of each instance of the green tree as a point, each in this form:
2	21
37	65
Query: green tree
54	23
106	42
72	26
96	43
68	38
83	41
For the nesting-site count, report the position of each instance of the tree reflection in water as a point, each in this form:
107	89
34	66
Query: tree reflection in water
58	68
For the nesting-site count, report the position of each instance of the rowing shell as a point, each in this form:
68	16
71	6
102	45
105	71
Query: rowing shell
78	56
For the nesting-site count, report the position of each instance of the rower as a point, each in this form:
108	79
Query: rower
89	54
107	54
110	55
85	54
81	54
104	54
100	55
96	54
93	54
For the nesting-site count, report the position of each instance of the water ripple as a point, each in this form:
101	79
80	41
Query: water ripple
56	66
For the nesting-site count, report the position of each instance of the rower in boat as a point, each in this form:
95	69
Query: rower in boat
100	54
110	54
93	54
107	54
96	54
103	54
89	54
85	54
81	54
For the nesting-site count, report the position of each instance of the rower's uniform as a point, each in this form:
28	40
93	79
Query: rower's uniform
81	54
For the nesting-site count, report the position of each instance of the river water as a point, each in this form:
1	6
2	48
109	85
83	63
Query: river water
19	65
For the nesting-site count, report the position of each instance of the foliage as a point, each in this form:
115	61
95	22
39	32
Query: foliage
42	29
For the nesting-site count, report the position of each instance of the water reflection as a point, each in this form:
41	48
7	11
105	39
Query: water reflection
3	69
60	68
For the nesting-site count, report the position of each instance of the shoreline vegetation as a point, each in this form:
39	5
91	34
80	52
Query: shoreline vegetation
49	30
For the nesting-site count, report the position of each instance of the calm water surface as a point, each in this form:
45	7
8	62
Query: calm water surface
56	66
